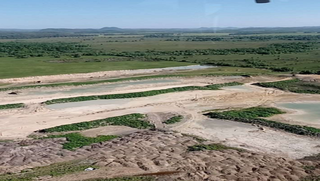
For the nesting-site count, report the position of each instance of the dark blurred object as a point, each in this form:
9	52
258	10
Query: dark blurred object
262	1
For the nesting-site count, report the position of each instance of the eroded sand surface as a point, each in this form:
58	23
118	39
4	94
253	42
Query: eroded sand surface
152	152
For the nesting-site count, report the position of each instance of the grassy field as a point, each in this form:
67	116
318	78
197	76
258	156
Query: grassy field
14	67
122	44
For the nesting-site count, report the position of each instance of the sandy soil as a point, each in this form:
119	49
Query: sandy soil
109	130
190	104
85	76
28	96
269	153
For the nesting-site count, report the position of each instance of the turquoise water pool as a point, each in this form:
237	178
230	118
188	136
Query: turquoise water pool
310	111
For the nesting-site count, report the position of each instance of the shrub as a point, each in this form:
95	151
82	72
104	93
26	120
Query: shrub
174	120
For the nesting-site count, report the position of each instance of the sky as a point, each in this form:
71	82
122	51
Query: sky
38	14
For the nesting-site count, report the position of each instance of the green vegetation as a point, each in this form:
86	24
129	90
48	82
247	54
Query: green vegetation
54	170
251	115
11	106
254	112
294	85
38	66
125	179
174	120
77	51
76	140
25	50
139	94
131	120
215	147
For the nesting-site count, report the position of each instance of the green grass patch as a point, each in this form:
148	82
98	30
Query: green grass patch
254	112
174	120
139	94
12	106
294	85
215	147
54	170
251	115
131	120
125	179
76	140
38	66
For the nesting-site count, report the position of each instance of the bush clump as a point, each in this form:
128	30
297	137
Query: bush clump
76	140
174	120
131	120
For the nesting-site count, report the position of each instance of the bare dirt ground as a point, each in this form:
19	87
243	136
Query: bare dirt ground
86	76
150	152
311	78
190	104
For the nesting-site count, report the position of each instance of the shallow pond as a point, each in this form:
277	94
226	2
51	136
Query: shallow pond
307	111
110	103
100	87
240	88
190	67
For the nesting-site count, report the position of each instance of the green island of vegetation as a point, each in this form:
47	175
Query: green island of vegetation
174	120
139	94
54	170
215	147
130	120
12	106
294	85
252	116
76	140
